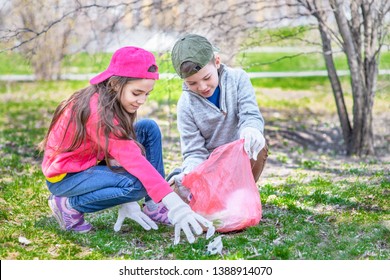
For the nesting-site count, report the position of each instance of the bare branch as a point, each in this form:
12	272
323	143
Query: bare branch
54	22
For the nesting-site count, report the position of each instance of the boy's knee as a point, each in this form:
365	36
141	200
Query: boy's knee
264	152
258	165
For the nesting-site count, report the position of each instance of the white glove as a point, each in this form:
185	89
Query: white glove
254	141
177	179
133	211
176	182
182	217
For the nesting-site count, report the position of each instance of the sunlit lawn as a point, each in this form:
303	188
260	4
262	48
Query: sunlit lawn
319	210
316	205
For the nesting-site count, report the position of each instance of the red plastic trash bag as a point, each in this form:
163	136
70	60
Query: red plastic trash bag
223	189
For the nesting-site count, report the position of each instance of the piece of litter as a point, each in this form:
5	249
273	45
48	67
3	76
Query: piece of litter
23	240
215	246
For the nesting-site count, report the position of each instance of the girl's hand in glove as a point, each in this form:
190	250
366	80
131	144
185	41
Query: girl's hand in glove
254	141
183	218
133	211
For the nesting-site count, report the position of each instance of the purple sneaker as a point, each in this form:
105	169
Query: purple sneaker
160	215
69	219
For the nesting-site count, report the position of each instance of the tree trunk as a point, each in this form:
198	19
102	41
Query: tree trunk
337	89
362	133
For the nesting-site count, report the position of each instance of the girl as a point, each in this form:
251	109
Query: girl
96	156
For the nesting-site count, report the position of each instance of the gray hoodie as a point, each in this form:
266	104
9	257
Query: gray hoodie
204	127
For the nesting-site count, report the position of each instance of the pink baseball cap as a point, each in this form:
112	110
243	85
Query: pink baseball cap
132	62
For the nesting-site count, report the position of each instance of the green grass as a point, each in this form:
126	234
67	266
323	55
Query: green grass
340	213
14	63
84	63
290	62
80	63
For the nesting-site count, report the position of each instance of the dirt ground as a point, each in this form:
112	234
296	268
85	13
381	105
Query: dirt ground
295	137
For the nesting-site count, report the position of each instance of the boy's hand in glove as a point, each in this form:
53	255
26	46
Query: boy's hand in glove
254	141
183	218
133	211
175	181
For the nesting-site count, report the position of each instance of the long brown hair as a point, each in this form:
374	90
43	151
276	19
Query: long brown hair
109	109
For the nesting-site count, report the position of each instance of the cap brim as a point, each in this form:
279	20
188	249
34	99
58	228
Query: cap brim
216	49
100	78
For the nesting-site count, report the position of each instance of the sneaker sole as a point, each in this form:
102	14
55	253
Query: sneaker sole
53	206
82	231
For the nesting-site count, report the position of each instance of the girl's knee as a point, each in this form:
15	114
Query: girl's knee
148	125
134	192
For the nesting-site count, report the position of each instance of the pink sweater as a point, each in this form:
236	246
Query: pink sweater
126	152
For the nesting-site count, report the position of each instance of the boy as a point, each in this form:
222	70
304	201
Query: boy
217	106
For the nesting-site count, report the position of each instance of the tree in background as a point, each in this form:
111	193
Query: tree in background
45	32
359	30
45	49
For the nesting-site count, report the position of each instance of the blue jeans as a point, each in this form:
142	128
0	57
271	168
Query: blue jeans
99	187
